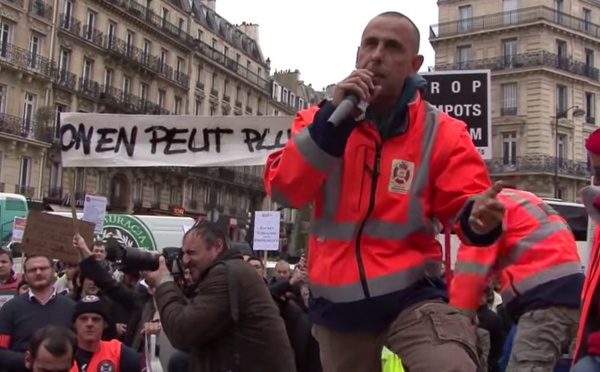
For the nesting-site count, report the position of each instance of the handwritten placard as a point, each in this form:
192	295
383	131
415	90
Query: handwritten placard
266	230
52	235
111	140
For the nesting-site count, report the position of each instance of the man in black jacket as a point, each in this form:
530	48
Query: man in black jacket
137	301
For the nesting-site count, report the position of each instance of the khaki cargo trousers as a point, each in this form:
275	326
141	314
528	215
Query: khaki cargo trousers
429	337
542	337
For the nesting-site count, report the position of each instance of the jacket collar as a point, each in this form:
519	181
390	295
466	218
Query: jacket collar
226	255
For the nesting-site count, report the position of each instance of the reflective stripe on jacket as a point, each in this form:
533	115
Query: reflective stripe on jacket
106	358
372	232
537	247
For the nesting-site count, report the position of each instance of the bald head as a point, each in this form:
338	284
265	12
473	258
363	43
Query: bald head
415	36
282	270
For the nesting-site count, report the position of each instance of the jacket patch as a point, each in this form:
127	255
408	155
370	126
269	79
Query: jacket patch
401	176
106	366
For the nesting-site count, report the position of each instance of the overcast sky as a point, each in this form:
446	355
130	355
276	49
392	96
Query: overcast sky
320	37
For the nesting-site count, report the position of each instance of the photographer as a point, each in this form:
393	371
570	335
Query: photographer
140	303
231	322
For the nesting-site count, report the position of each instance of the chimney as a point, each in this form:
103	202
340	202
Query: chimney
210	4
251	30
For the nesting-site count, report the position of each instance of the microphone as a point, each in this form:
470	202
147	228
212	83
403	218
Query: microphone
345	108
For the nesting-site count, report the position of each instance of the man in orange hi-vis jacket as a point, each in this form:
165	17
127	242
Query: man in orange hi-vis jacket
378	184
539	269
588	340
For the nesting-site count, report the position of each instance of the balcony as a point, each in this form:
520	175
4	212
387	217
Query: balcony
26	191
508	111
121	49
148	18
87	33
539	59
538	164
248	110
65	79
182	79
121	101
24	128
214	93
230	64
41	9
521	17
57	193
89	88
16	3
226	98
590	120
200	85
21	59
233	177
238	104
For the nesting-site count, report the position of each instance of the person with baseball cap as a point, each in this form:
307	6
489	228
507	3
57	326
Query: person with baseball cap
93	354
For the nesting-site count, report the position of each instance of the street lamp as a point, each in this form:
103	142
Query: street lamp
577	113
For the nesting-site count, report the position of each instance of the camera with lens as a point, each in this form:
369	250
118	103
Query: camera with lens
136	259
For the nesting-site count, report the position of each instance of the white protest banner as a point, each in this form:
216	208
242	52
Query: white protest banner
113	140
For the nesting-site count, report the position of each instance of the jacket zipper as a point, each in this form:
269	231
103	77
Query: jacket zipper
374	178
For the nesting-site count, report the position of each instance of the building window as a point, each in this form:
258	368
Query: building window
177	106
90	26
561	49
67	15
174	197
463	56
179	66
5	37
86	72
63	64
144	91
35	48
156	193
561	193
111	34
28	113
214	44
181	24
509	148
108	79
79	180
214	81
562	148
561	99
165	16
465	15
25	172
200	77
147	48
509	99
301	104
162	98
559	8
586	14
198	110
212	111
126	86
139	189
590	108
509	52
3	94
509	8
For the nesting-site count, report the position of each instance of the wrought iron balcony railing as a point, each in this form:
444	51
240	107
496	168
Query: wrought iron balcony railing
23	59
89	88
41	9
25	128
539	59
144	59
65	79
524	16
538	164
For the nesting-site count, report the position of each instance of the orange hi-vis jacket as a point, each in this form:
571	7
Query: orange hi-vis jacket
375	208
537	248
106	358
590	309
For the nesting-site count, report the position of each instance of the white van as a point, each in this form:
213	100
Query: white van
148	232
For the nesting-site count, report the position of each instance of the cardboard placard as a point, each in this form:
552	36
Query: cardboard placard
52	235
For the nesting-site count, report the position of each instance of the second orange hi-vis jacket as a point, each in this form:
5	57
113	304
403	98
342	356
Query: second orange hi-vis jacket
106	358
375	202
589	323
535	260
